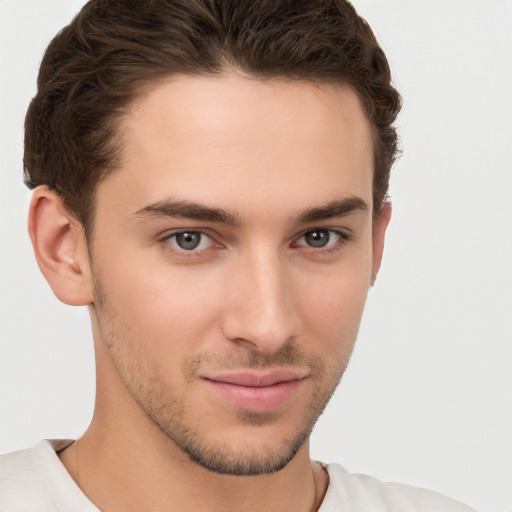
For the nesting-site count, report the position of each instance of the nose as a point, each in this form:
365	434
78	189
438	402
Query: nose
259	310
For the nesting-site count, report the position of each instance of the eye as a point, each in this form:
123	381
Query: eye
320	238
189	240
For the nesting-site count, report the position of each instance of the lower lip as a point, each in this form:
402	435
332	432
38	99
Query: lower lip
256	399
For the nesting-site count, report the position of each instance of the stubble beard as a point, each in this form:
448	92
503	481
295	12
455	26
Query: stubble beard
138	373
218	455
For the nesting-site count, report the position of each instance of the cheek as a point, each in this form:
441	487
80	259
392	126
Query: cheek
158	304
331	308
337	308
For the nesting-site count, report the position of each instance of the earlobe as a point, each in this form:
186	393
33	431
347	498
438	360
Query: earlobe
60	248
380	225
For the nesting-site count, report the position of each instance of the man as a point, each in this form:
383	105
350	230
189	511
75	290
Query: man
210	179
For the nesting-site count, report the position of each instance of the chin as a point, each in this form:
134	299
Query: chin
245	460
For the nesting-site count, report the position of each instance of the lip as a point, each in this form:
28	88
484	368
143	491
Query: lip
256	391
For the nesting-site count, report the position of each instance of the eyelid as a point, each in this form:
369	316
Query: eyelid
164	240
342	232
343	237
176	231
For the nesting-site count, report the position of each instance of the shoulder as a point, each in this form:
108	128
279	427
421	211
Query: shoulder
359	493
19	478
35	480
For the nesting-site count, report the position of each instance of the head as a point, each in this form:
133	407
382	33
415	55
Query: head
214	176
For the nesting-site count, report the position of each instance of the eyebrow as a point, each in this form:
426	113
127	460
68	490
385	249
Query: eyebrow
195	211
333	209
188	210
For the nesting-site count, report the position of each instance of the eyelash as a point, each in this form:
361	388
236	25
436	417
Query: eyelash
344	238
165	241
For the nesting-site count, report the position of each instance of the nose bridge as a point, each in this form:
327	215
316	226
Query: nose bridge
261	310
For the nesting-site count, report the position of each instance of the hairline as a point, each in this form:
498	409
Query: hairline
140	89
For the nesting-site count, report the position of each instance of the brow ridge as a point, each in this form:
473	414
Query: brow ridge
195	211
333	209
188	210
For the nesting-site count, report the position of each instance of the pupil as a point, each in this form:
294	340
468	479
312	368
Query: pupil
188	241
317	238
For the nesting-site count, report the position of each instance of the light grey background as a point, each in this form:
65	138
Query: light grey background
427	398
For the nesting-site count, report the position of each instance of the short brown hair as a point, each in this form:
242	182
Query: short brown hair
98	64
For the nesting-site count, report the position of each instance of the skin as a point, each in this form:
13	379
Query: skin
279	163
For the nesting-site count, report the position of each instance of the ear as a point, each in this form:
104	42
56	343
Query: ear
60	248
380	225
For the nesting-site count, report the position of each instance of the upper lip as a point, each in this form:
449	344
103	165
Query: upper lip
257	379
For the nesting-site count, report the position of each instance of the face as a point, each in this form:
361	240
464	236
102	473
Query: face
232	254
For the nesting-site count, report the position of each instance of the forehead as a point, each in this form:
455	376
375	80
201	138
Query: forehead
237	139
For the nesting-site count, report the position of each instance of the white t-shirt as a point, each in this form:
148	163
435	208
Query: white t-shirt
34	480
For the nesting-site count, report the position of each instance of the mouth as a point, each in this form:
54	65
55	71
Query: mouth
257	391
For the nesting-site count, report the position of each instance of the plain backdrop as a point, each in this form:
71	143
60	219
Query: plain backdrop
427	397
